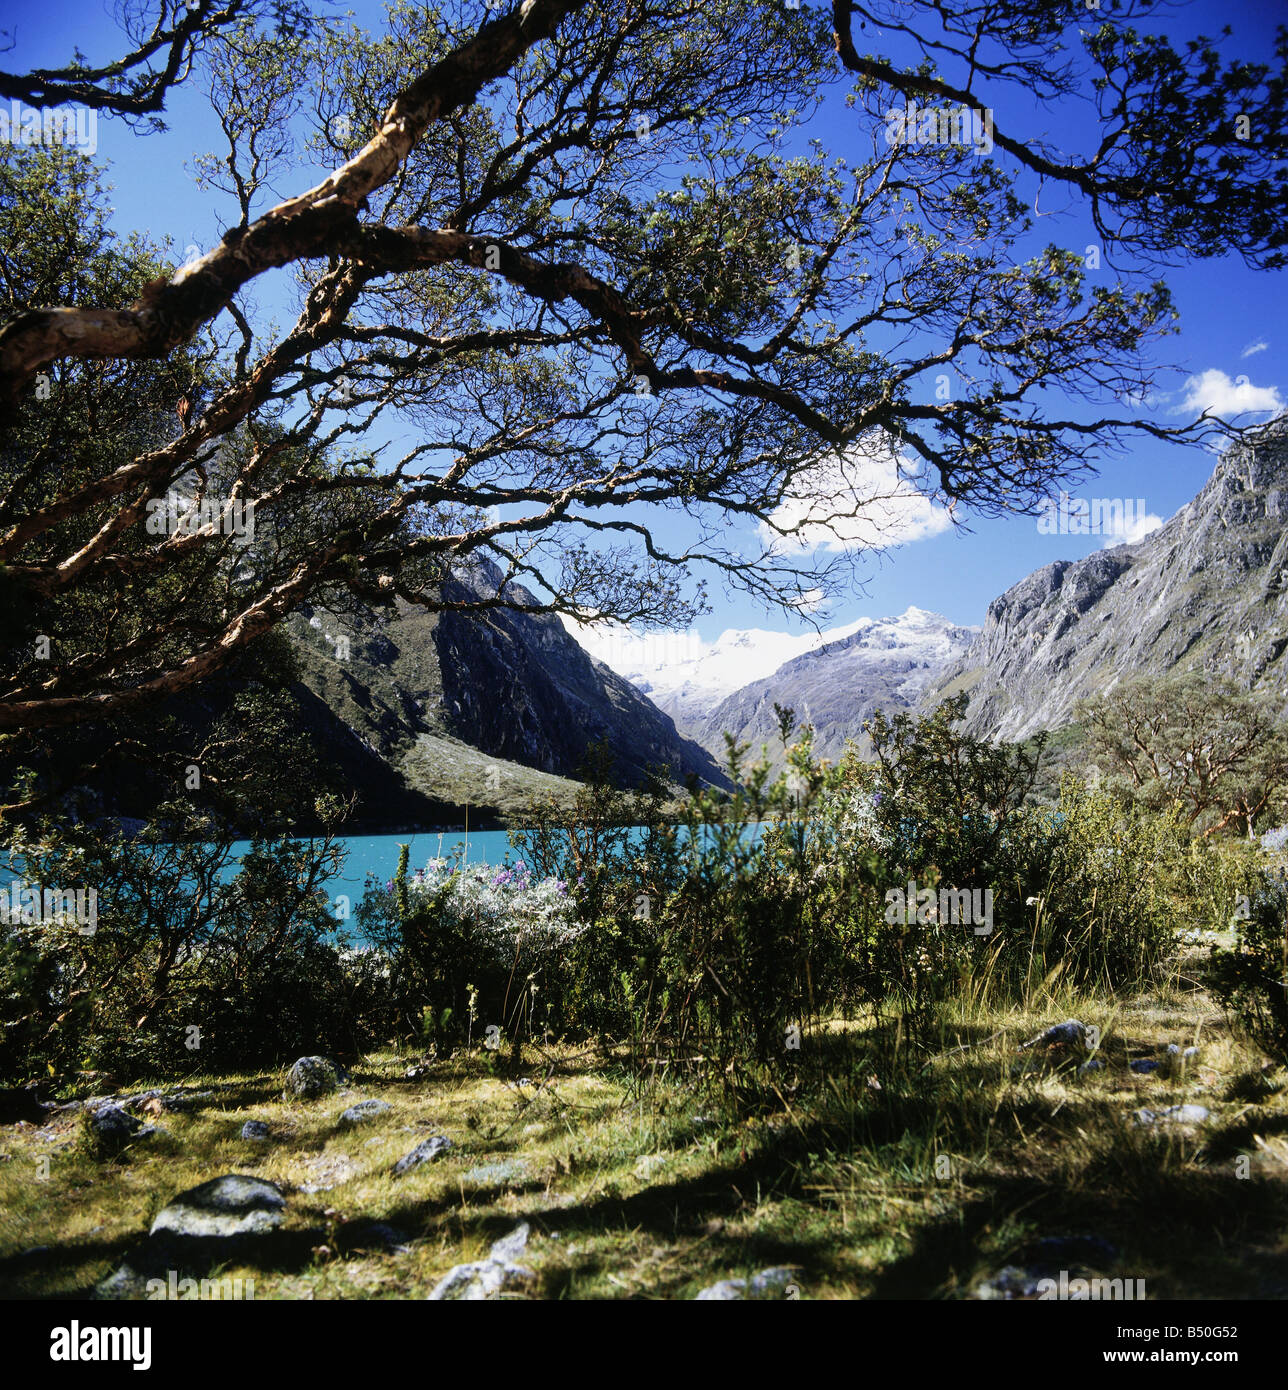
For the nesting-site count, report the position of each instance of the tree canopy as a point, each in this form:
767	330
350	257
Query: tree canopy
597	260
1215	753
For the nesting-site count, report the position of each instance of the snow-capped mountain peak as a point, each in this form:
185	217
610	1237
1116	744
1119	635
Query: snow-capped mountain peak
689	677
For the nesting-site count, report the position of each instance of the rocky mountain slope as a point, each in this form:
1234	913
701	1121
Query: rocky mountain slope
1207	591
882	663
442	697
687	678
416	715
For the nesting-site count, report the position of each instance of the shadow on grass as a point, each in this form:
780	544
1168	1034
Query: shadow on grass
1195	1235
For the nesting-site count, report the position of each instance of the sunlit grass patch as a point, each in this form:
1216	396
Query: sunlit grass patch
879	1168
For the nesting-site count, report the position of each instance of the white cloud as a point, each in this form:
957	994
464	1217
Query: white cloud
871	481
1253	348
1214	392
810	601
1129	530
682	664
626	651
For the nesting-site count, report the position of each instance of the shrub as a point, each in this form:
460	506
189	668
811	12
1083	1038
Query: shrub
1080	889
1252	978
193	963
472	942
701	947
1098	878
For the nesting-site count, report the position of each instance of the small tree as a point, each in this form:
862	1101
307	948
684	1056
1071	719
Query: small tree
944	798
1215	753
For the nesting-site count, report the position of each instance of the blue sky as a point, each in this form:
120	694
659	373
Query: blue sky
1231	317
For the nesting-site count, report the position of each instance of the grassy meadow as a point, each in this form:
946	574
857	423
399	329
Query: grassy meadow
883	1170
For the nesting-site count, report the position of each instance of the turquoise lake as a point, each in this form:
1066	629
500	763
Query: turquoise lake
377	855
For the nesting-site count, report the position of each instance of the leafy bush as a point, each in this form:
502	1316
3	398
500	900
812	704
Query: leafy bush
1252	978
193	962
700	948
710	934
1080	890
467	943
1102	909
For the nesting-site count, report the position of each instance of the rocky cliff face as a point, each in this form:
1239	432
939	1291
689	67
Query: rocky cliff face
885	664
1207	591
512	685
519	686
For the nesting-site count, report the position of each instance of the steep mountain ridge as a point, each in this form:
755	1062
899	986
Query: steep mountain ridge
687	678
512	686
1207	591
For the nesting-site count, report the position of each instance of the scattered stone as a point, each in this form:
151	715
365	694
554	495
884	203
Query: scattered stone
1010	1282
1173	1115
1046	1258
364	1110
1095	1064
226	1220
229	1206
506	1171
185	1101
110	1123
254	1130
1064	1034
769	1283
125	1282
331	1170
486	1278
177	1102
229	1220
510	1247
310	1077
1190	1052
1144	1065
424	1152
113	1128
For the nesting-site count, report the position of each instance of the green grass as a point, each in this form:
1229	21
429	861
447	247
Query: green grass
655	1192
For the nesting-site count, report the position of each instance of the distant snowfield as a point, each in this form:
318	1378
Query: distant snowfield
688	677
